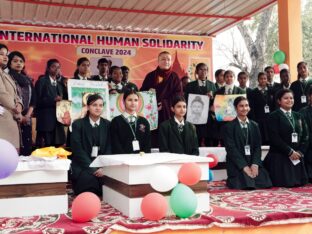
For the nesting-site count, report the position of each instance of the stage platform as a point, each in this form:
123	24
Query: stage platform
276	210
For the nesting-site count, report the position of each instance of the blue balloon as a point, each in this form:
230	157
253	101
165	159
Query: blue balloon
211	176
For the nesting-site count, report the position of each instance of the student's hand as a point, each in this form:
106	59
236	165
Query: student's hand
247	170
159	104
295	155
58	98
254	170
209	94
99	172
211	108
18	108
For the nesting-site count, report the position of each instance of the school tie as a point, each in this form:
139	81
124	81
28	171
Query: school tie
245	128
131	119
229	91
95	125
202	83
54	83
180	128
288	115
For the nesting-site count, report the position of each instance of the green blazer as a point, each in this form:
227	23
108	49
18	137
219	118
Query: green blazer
81	144
122	135
280	131
170	140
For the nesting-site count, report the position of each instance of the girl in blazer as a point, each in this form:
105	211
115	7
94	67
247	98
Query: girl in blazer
288	135
90	137
242	141
130	132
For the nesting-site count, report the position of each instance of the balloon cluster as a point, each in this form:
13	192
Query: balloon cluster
183	200
213	164
279	58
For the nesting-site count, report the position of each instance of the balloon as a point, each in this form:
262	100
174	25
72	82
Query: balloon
279	57
215	160
211	176
189	173
276	69
154	206
163	179
183	201
283	66
85	207
8	159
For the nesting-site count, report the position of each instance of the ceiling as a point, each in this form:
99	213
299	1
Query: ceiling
189	17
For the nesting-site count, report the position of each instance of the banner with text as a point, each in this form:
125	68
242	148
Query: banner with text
138	51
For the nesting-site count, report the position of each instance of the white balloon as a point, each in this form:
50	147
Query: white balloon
163	179
283	66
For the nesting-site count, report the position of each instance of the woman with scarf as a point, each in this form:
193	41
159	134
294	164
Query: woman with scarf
16	65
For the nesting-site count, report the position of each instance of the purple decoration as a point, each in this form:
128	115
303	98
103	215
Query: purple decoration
8	159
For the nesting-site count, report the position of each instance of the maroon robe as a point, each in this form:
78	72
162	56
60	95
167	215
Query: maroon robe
166	90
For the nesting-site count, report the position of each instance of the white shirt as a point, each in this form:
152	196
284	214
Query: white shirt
265	88
115	86
96	122
227	87
53	81
128	116
284	111
242	123
201	82
178	122
82	78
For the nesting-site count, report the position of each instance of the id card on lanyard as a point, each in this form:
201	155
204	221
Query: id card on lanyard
135	142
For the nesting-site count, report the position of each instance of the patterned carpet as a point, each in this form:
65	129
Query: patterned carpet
229	208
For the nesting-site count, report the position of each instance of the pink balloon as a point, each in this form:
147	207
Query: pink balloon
154	206
8	159
189	173
215	160
85	207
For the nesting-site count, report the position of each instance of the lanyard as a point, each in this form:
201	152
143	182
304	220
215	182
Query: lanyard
135	124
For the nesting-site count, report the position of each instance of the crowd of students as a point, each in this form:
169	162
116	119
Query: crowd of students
270	104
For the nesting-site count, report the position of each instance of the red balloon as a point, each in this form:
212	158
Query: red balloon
276	68
189	173
215	160
85	207
154	206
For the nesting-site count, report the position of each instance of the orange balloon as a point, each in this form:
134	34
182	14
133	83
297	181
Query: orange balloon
189	173
215	160
85	207
154	206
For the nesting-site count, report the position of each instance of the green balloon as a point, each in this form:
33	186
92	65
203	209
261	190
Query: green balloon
183	201
279	57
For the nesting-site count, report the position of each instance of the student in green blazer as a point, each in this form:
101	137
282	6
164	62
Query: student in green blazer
130	132
203	86
228	89
242	141
288	136
177	135
90	137
306	113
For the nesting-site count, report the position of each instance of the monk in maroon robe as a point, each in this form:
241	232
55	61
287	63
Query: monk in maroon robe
166	83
